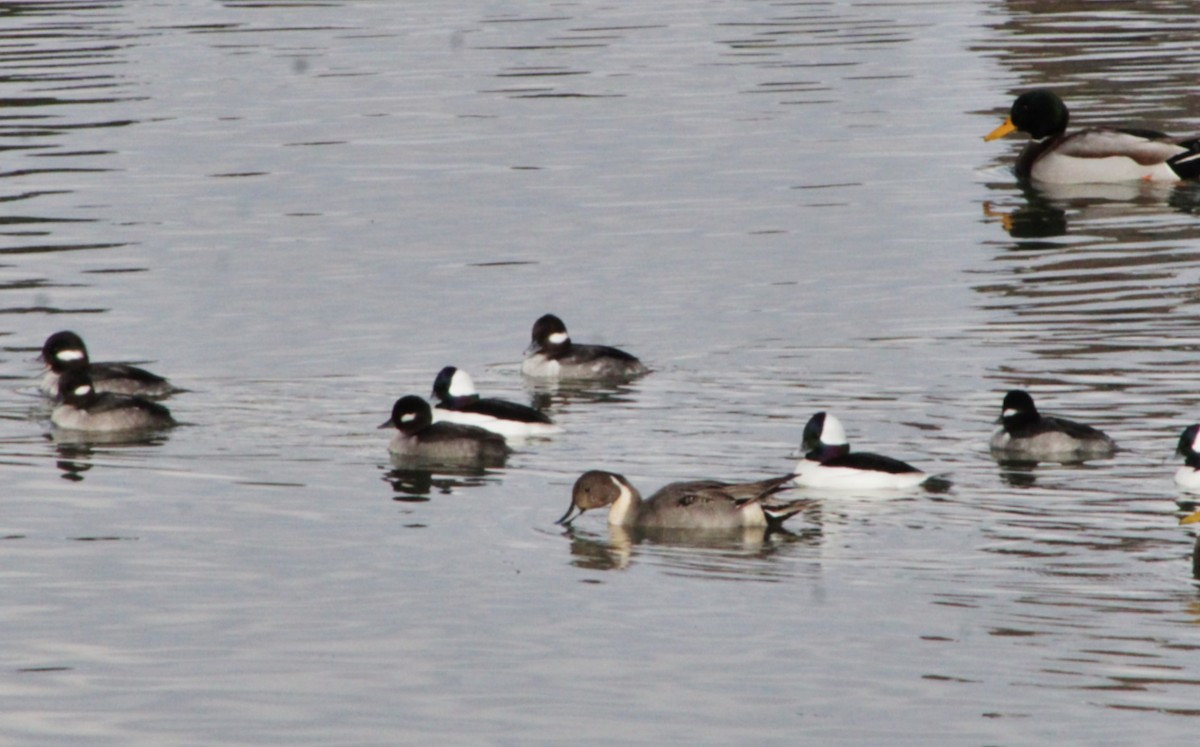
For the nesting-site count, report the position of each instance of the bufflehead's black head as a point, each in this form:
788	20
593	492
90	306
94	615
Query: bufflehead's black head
822	430
1188	446
64	350
410	414
549	332
76	388
451	383
1017	409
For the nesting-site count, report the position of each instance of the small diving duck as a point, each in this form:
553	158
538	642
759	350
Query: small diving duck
1093	155
65	350
458	402
422	439
1027	435
552	355
703	505
1188	476
85	409
829	463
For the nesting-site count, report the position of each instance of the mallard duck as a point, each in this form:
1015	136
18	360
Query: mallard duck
1093	155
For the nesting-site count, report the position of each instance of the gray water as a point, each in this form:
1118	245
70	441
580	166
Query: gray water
301	211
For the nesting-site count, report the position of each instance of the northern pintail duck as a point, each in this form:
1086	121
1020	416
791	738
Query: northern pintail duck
699	505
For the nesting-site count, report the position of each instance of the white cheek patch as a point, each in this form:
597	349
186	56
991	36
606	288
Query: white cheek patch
1008	413
558	338
83	390
408	417
69	355
1196	441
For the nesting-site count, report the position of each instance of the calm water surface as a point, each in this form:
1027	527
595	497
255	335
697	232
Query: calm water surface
301	211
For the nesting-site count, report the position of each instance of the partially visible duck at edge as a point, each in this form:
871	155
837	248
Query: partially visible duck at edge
458	402
1093	155
552	355
696	505
829	463
1027	435
65	350
86	410
422	439
1188	476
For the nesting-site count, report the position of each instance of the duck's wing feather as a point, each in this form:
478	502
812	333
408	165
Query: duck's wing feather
1143	146
865	460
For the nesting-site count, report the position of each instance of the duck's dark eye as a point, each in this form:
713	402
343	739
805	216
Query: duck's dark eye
687	500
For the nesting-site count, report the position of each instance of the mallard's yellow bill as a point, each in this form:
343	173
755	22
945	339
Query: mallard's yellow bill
1191	518
1001	131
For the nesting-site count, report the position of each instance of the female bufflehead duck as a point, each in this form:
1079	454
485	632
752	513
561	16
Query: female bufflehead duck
85	409
552	355
458	402
829	463
1093	155
698	505
1027	435
1188	476
421	438
65	350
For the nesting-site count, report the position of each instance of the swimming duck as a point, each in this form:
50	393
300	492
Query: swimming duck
1027	435
699	505
1188	476
552	355
85	409
63	350
421	438
1092	155
458	402
829	463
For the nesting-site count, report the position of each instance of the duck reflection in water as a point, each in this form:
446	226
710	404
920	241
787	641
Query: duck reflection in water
413	485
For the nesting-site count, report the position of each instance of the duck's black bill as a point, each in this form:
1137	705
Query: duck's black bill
570	515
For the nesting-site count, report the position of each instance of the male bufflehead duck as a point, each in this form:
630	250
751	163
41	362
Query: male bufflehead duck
552	355
65	350
1188	476
458	402
698	505
85	409
1027	435
1093	155
829	463
421	438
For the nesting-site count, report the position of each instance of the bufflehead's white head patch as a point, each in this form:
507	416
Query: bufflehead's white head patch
461	384
82	390
408	417
70	355
1008	413
558	338
833	434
